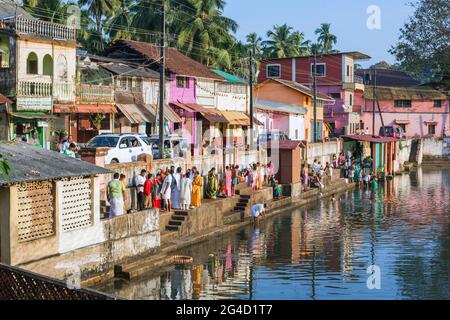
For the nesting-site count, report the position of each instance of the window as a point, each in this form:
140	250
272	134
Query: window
432	129
32	63
402	103
182	82
351	99
307	100
273	71
321	70
47	65
403	126
348	71
335	95
437	104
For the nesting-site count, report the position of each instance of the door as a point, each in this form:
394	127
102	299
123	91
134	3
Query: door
125	152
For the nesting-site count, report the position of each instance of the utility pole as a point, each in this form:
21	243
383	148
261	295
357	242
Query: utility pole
374	87
315	94
251	98
162	70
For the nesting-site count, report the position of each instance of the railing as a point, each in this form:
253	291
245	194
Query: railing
93	93
64	91
42	28
33	89
19	284
358	79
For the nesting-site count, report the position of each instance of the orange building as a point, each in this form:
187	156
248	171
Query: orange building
288	106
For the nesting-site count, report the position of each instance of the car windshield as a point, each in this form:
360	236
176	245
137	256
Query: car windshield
103	141
147	140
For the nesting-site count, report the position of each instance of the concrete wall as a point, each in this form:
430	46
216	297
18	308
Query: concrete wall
433	147
323	151
123	237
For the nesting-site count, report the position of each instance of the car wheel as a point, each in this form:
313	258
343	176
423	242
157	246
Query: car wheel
114	161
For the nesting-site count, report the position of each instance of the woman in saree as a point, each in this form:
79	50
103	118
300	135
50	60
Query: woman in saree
212	186
197	185
276	188
228	181
250	177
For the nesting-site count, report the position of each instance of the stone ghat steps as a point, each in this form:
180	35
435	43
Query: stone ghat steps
177	219
133	270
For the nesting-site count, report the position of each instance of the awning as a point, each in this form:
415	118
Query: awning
32	115
239	118
402	121
136	114
84	109
273	106
212	115
169	114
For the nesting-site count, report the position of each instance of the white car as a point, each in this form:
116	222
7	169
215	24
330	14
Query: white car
122	148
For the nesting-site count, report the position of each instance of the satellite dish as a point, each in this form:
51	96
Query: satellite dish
18	2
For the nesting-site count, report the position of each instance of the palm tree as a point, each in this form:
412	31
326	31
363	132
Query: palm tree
47	10
98	9
254	42
204	33
325	38
119	24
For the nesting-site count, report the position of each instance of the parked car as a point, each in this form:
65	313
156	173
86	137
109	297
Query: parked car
122	148
392	131
272	136
174	146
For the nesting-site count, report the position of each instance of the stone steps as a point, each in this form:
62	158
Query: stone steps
177	220
133	270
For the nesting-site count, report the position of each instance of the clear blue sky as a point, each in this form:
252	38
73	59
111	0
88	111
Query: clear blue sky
347	17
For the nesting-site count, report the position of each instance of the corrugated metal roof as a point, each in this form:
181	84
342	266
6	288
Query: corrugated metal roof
273	106
31	163
136	114
8	9
228	76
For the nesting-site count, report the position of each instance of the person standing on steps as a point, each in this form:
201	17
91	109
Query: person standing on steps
139	182
166	191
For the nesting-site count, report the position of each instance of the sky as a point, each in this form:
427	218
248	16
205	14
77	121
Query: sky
348	20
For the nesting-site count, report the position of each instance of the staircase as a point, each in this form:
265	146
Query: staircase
177	220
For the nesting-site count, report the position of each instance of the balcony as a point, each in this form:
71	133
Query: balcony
357	84
39	95
94	94
41	28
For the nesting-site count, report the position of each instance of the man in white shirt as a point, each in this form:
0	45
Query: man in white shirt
139	182
258	210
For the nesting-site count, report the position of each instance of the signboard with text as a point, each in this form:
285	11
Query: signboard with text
34	104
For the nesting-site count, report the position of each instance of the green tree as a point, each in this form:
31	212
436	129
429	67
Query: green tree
118	26
47	10
282	42
204	33
98	9
423	47
325	38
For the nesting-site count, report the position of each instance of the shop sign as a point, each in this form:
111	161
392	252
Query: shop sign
42	124
34	104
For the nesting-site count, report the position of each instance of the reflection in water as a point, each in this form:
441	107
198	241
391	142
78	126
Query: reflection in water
323	251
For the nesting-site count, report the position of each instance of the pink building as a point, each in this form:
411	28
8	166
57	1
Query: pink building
335	78
419	111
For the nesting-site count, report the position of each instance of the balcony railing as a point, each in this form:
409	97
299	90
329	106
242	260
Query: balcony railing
358	79
94	94
42	28
34	89
61	91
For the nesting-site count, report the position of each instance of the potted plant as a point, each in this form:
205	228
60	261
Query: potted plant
97	121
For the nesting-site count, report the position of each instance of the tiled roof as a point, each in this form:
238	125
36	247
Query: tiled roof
175	61
404	93
4	100
303	89
125	70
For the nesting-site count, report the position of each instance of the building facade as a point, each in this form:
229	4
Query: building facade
335	78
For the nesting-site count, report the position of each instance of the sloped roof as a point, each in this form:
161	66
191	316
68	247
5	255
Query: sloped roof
125	70
8	9
175	61
390	78
301	88
4	100
31	163
404	93
354	54
231	78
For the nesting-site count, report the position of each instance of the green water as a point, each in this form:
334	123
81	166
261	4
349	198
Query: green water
323	251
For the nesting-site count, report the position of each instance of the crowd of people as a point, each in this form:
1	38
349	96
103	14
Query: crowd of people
174	188
67	146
